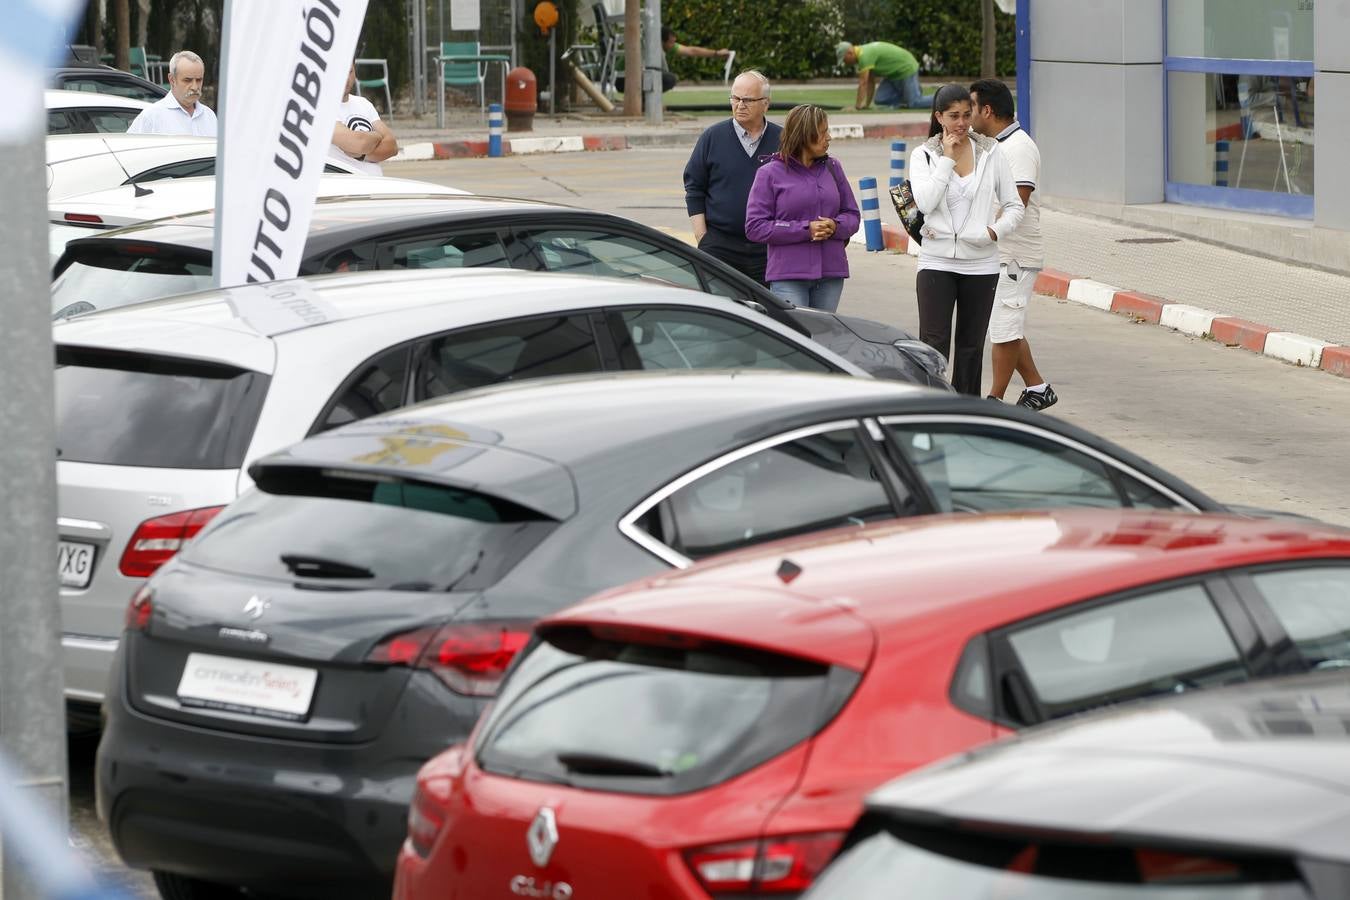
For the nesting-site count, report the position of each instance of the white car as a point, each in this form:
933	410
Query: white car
85	112
162	406
80	163
84	215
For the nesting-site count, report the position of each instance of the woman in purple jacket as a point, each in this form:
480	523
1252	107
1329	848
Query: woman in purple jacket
802	207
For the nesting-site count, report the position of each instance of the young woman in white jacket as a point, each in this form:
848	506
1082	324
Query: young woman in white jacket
964	188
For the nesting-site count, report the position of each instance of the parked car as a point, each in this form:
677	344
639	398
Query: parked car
83	112
1237	794
86	215
161	408
438	232
80	163
393	567
714	733
76	75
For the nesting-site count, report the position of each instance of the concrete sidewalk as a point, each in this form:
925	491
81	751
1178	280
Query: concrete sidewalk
466	132
1290	312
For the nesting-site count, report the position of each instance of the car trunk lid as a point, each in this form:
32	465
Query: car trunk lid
343	584
274	659
653	745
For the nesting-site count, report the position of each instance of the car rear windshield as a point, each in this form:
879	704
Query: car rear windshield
937	865
131	409
659	714
336	529
103	278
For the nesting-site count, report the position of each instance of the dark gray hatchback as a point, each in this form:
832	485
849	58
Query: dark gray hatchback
282	678
1239	793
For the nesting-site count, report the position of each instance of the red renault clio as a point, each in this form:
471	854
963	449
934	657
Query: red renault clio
712	733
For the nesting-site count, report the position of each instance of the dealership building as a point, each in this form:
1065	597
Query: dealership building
1197	115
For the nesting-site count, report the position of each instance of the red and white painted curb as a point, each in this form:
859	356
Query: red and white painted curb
516	146
1230	330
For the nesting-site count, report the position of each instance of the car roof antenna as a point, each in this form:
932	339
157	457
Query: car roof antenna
137	189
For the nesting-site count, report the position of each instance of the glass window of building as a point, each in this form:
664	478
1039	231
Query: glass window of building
1241	104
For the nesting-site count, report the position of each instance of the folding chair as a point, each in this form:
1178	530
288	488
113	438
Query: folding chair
138	63
608	41
461	74
149	66
381	82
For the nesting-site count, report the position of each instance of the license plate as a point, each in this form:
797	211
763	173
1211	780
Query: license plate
247	686
74	563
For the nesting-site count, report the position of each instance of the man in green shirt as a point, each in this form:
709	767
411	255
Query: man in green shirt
886	73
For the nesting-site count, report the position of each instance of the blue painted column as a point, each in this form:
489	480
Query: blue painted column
1023	44
871	214
494	129
897	162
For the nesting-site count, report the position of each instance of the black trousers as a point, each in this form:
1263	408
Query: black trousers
741	253
972	298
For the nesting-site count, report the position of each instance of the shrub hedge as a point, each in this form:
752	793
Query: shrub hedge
796	38
787	39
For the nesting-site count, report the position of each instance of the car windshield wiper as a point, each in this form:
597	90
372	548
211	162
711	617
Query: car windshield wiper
319	567
579	763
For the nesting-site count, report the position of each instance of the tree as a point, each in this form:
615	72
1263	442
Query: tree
987	42
632	59
122	49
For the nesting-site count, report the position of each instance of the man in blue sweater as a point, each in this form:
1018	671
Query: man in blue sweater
722	168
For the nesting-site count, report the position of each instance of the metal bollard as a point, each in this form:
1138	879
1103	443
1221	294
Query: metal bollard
871	214
1221	164
494	129
897	162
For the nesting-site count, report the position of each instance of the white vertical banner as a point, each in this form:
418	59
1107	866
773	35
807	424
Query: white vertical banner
283	72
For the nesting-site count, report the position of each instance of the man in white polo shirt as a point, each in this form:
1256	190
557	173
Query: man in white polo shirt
1021	254
180	111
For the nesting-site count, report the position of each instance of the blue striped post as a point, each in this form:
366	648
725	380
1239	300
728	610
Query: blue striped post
494	129
1221	164
897	162
871	214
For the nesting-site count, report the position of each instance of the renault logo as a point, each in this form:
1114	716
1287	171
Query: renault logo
256	606
542	837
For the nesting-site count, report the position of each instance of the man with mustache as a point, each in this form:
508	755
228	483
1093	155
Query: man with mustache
180	111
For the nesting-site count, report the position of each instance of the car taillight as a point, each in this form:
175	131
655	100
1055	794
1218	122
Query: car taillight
428	814
771	866
141	607
84	218
470	657
157	540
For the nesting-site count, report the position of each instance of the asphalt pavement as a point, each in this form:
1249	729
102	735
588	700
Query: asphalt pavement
1245	428
1266	292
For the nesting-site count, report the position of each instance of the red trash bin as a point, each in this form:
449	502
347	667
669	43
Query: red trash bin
522	99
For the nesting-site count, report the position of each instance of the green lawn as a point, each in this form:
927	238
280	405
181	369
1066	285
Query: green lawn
837	96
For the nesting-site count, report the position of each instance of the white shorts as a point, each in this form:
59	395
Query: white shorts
1008	321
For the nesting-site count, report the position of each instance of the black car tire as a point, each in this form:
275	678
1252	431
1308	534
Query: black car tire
179	887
